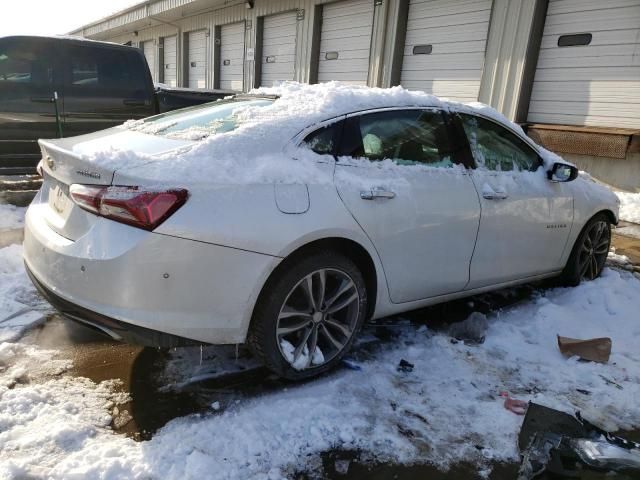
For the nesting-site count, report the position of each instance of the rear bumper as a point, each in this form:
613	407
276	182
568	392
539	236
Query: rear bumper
131	283
110	327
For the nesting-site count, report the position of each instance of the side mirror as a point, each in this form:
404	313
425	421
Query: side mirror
561	172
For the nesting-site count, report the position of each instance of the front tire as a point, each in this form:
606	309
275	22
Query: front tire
308	315
589	253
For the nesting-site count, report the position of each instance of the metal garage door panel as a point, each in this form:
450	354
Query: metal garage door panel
149	50
457	33
346	33
596	84
170	61
278	48
232	56
197	59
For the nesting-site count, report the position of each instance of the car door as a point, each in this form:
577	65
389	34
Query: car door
401	175
526	218
28	80
104	87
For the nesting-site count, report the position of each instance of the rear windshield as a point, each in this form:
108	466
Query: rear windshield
201	121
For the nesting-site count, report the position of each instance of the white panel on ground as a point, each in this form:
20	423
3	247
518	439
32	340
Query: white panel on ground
594	79
278	48
149	50
232	56
445	47
170	67
345	41
197	59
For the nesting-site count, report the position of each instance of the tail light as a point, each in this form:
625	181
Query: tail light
135	206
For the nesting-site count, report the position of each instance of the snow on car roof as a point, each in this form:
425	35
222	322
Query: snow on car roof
253	151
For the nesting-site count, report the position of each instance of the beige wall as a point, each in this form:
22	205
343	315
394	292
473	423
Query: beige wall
621	173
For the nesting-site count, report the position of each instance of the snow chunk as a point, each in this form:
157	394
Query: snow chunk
629	206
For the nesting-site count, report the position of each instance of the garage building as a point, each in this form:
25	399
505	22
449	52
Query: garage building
569	70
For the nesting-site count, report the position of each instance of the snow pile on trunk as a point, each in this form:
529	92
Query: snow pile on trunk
629	206
446	410
257	151
20	306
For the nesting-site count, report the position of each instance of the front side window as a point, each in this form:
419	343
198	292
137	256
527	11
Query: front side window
496	148
408	137
96	70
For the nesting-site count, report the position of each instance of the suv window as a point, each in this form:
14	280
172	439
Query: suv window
408	137
106	71
25	63
496	148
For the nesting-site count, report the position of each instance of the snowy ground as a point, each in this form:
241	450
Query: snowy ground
629	206
446	410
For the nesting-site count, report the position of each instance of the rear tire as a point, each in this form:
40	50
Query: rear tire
308	315
589	253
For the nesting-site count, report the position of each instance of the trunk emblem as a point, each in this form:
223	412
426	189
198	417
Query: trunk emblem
50	162
88	173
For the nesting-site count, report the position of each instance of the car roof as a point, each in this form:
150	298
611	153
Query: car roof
65	39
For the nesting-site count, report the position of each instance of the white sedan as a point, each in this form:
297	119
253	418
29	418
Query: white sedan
288	217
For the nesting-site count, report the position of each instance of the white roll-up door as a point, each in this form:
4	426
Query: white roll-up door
149	50
232	56
278	48
345	41
588	70
170	60
445	47
197	59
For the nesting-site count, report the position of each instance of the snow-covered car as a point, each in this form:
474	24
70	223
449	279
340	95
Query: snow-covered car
288	217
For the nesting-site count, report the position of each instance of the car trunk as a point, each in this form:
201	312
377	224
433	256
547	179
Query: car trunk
65	163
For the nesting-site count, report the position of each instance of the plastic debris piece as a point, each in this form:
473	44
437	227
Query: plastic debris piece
594	349
559	443
405	366
471	331
519	407
351	365
342	466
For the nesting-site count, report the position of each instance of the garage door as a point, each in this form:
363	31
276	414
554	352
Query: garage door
278	48
232	56
445	47
345	41
197	59
170	60
149	50
588	70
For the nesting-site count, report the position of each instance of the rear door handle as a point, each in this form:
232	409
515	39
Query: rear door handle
495	195
377	193
42	99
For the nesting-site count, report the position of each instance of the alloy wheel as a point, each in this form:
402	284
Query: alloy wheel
318	318
594	250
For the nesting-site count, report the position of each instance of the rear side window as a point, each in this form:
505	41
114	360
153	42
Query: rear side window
496	148
106	71
408	137
323	140
25	63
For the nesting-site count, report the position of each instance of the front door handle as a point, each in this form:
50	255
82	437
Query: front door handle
495	195
377	193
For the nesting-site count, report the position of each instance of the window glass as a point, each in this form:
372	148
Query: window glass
408	137
199	121
106	70
496	148
24	64
322	141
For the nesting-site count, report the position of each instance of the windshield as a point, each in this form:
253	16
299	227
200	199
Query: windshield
201	121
